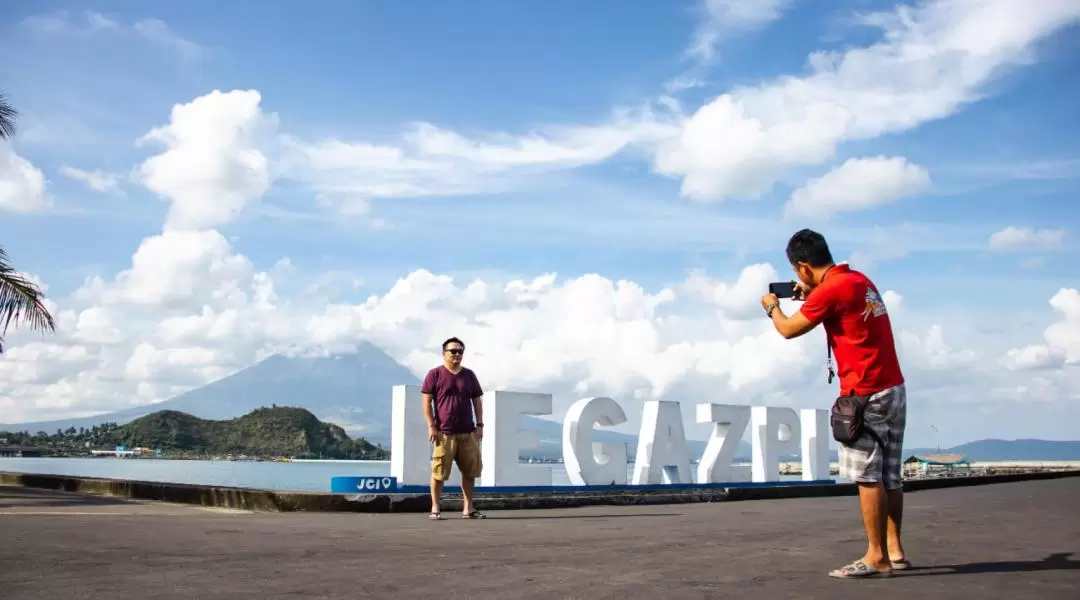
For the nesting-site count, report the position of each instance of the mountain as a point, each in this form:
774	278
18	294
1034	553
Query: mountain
1023	449
352	390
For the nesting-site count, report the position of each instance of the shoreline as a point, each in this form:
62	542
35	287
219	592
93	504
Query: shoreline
492	499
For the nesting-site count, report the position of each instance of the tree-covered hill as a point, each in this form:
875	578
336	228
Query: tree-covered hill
264	432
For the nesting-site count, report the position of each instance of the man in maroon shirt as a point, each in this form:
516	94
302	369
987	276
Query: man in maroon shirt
452	393
859	333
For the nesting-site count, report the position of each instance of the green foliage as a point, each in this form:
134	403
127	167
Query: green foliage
264	432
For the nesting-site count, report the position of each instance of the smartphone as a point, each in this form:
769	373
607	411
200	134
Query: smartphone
782	289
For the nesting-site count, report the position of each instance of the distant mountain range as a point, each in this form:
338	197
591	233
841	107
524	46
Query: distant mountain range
354	392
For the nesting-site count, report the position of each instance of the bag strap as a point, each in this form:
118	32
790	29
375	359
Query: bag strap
828	362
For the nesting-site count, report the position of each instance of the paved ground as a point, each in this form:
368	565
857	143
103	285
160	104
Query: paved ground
1017	540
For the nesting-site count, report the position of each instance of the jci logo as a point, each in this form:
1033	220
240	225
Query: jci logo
351	485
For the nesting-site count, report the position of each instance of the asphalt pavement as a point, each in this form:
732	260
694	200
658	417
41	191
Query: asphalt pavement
1011	540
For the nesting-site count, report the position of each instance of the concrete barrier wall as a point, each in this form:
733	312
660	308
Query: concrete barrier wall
269	500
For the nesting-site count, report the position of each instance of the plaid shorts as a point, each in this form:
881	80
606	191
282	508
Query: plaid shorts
863	461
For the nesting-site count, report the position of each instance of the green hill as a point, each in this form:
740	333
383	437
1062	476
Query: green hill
264	432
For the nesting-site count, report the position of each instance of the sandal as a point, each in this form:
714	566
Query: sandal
474	515
435	516
858	570
900	565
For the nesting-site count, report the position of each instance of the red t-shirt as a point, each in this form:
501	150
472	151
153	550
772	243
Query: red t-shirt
857	328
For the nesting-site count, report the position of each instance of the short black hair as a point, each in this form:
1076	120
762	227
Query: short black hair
809	247
452	340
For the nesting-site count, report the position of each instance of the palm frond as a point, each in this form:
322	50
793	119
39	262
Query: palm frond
7	118
21	301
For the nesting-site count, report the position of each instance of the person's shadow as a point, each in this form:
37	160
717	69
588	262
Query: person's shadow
1058	561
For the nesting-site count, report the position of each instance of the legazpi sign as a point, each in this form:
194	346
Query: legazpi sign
661	450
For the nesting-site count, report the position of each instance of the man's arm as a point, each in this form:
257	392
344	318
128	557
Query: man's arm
429	415
478	409
813	311
793	326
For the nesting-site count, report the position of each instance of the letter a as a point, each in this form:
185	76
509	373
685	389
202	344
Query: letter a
661	452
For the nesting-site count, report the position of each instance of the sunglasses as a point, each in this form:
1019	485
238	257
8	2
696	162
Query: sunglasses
455	350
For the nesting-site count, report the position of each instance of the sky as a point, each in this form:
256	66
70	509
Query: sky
593	197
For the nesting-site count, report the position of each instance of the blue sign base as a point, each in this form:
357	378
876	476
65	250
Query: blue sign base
364	485
389	485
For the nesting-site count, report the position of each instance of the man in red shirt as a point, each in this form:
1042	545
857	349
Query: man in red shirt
452	395
859	333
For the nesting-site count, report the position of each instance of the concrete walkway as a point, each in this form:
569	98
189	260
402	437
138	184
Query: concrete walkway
1013	540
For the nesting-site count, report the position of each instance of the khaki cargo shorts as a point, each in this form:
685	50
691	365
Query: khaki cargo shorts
462	448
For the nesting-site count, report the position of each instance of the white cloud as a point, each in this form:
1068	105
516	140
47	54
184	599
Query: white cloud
158	32
1062	338
96	180
190	310
22	185
858	184
431	161
725	18
1014	238
214	162
91	23
933	59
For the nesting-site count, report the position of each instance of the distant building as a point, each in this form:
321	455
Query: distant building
931	464
19	451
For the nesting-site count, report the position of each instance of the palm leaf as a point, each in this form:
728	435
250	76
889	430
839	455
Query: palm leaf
21	300
7	118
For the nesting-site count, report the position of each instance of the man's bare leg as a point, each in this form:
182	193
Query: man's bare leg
467	486
895	500
436	495
873	503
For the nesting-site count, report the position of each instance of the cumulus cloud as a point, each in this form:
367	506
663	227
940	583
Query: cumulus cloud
214	163
22	185
932	60
190	309
858	184
1062	338
1018	238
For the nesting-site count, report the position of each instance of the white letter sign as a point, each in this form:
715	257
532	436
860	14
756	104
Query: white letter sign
729	424
661	451
816	434
504	439
588	462
776	432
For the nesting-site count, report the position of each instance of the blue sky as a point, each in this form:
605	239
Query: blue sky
92	79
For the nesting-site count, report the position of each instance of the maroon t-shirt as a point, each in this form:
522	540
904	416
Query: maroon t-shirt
452	395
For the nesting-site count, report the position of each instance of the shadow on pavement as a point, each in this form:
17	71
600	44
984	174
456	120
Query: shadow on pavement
27	497
603	516
1058	561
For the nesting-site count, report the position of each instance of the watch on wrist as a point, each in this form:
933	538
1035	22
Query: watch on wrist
770	308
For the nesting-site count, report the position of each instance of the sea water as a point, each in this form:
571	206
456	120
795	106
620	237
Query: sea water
307	476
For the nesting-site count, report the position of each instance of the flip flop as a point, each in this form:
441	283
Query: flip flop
858	570
900	565
474	515
435	516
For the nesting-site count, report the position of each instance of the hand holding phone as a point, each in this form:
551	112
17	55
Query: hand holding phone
782	289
